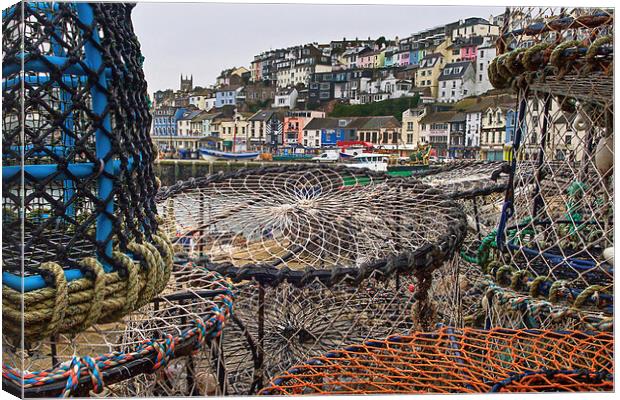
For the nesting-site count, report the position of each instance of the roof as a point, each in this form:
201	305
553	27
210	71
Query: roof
262	115
205	116
484	102
285	91
458	116
228	88
188	115
440	116
367	123
325	123
432	55
454	70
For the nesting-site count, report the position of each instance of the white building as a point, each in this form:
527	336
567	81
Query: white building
473	124
486	53
202	101
286	98
457	80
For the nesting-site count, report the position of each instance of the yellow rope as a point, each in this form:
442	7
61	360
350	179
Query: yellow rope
70	307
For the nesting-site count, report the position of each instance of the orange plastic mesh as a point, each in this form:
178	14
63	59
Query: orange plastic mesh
459	361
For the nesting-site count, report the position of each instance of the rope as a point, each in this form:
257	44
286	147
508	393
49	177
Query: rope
73	306
160	351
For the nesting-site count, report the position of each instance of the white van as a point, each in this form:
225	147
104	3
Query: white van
327	157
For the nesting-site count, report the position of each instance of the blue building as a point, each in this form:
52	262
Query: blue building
511	123
331	130
227	96
165	120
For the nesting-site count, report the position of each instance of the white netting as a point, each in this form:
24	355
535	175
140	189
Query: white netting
324	256
163	333
290	220
551	265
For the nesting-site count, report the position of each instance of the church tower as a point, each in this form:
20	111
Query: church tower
187	85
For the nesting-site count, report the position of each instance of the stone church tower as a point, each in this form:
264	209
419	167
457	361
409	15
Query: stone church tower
187	85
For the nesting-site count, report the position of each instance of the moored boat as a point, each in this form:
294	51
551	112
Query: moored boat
213	155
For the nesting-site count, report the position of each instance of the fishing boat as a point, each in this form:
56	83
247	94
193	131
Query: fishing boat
372	161
213	155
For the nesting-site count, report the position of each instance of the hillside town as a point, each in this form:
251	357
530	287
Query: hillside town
285	102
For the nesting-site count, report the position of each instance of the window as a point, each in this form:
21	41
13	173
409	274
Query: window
443	84
568	139
480	77
481	66
409	126
443	93
452	93
455	52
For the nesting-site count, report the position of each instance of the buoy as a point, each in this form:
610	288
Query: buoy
604	155
206	383
471	223
581	121
608	255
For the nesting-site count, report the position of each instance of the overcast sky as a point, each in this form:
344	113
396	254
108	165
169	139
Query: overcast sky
203	39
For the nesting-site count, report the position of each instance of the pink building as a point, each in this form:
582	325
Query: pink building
366	59
294	122
401	58
469	53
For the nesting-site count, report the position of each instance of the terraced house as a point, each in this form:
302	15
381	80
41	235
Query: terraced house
382	131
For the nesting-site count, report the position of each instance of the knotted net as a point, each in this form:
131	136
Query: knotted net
458	361
550	259
323	257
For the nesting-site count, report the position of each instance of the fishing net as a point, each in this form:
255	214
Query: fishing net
80	234
167	347
478	186
458	361
323	257
552	251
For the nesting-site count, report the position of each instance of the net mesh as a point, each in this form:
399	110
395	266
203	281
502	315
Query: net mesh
323	256
297	223
167	347
61	125
78	185
458	361
555	236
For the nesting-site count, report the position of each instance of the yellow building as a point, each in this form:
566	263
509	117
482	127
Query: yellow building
234	132
427	75
410	131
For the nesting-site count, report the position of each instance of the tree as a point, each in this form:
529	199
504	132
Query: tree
380	42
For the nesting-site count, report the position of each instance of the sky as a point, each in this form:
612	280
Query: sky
203	39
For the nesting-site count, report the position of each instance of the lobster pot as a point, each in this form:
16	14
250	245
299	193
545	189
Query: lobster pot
478	187
321	257
458	361
168	347
555	238
80	235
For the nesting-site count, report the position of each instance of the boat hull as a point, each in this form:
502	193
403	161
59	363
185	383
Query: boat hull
214	155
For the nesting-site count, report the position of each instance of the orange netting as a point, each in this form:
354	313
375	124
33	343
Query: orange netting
459	361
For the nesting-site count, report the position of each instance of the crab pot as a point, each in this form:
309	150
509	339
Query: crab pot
321	257
554	238
80	237
458	361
